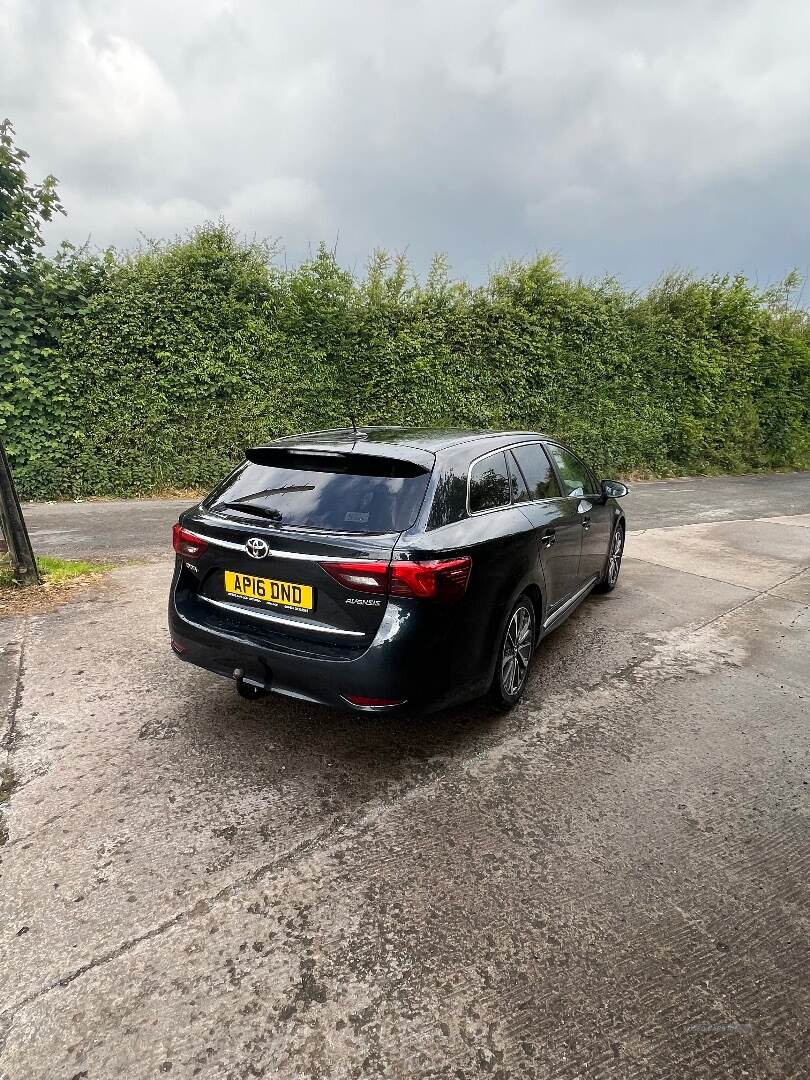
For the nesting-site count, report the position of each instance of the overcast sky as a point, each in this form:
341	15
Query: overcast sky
628	136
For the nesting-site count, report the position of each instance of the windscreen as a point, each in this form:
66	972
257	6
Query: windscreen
351	493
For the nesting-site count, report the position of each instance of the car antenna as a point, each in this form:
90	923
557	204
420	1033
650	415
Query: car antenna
354	431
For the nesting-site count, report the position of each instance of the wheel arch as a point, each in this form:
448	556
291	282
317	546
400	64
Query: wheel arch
535	590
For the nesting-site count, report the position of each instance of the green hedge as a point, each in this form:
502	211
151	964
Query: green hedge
153	371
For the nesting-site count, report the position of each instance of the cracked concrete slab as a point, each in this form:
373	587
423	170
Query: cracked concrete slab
796	588
609	881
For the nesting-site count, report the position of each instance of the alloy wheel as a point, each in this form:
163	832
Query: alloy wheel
615	558
517	651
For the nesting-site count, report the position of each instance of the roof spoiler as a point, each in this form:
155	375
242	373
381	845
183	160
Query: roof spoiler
337	460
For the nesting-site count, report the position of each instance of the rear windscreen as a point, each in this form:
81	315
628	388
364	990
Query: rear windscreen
341	493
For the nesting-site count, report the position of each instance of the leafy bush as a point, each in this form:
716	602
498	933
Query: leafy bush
153	370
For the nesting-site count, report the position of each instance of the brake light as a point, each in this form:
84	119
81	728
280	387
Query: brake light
361	576
439	579
185	543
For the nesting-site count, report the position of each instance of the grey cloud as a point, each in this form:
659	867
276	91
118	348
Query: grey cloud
628	137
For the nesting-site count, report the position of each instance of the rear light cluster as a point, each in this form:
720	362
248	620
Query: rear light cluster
185	543
362	577
438	579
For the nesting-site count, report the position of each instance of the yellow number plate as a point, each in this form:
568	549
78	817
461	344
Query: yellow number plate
271	592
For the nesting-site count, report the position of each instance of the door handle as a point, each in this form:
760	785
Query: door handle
548	538
586	521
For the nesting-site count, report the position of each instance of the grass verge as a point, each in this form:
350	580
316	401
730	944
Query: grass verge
59	578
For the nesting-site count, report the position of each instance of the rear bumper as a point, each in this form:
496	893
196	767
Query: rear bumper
410	660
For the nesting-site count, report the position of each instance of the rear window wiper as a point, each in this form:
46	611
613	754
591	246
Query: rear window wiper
250	508
285	489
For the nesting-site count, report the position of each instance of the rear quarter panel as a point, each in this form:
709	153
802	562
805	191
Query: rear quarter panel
504	562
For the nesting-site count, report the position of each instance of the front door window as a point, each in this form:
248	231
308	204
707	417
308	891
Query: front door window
577	480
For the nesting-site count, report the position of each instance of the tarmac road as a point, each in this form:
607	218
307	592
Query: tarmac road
136	528
610	881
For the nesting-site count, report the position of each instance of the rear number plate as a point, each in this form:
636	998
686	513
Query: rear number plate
269	591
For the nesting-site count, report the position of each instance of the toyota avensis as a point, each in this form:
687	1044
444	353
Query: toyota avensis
373	568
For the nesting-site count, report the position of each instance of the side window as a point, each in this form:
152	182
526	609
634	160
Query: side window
449	500
577	479
489	483
520	493
536	467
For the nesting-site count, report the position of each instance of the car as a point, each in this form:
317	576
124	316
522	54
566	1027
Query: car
391	568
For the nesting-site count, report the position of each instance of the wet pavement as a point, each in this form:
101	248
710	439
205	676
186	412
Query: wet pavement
610	881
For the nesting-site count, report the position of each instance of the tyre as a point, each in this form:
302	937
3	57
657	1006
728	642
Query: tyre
614	561
514	656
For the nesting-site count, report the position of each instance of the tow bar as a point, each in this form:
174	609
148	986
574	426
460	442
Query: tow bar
247	690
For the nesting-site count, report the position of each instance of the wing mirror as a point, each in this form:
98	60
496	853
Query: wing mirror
612	489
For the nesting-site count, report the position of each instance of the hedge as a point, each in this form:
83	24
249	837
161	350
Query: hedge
152	371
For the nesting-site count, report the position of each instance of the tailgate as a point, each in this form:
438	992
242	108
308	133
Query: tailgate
287	587
299	541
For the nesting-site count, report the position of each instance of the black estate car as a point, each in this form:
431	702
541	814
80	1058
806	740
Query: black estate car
378	567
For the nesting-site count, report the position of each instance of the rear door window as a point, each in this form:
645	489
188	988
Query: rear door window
537	470
489	483
348	493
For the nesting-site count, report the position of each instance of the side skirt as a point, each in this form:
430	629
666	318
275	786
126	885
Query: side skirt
565	609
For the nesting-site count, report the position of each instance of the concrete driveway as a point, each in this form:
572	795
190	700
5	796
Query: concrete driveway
610	881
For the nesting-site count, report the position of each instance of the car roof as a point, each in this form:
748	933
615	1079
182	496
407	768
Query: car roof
385	439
